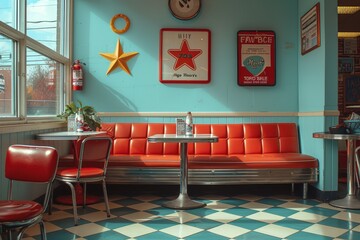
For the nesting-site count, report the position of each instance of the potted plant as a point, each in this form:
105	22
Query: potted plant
91	119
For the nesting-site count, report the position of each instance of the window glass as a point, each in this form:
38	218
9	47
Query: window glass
7	71
7	12
44	22
43	77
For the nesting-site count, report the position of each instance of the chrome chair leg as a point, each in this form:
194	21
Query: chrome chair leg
73	197
106	199
42	230
84	197
51	198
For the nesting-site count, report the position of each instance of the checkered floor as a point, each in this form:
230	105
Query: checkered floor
236	214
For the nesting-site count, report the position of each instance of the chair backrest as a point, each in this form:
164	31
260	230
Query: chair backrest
29	163
94	149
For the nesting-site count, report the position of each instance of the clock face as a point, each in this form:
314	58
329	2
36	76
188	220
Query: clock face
184	9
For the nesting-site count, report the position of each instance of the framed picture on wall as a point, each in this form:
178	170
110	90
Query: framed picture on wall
184	55
345	65
256	58
310	29
351	91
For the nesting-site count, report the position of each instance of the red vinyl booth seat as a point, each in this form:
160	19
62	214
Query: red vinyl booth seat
251	152
260	145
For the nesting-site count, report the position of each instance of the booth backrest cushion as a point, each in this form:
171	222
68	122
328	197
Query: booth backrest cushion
234	139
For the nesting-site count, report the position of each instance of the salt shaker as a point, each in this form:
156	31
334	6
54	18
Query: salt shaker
79	119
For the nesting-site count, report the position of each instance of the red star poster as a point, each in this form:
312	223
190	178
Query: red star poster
184	55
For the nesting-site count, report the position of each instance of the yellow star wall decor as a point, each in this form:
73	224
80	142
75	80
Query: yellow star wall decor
118	59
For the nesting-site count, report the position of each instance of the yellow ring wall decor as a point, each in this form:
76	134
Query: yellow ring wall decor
127	23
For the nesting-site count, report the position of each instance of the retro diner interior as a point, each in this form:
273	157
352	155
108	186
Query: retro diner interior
305	93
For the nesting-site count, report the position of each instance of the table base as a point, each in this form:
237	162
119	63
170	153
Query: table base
79	195
183	202
348	202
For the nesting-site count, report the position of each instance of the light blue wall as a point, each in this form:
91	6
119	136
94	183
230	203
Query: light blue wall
142	92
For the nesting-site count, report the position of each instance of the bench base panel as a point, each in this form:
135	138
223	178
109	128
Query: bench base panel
210	176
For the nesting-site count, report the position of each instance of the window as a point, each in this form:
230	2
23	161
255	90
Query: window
7	83
8	13
44	23
34	59
43	83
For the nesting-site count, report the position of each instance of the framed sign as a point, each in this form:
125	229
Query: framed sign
351	91
310	29
184	55
345	65
256	58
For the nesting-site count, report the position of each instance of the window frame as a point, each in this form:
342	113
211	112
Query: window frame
21	43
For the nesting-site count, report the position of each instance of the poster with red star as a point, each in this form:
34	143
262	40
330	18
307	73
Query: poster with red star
184	55
256	58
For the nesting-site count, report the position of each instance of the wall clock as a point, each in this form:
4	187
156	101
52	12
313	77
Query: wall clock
184	9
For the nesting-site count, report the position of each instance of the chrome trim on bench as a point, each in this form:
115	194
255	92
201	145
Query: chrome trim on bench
210	176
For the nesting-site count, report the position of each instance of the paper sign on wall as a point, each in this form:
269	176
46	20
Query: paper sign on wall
256	58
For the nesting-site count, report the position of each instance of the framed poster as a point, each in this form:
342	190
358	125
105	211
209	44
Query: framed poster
351	91
310	29
184	55
256	58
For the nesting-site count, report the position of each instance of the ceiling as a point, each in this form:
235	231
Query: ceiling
351	22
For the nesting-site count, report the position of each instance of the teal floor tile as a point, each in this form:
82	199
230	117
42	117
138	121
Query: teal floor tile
322	211
108	235
307	236
284	212
204	235
271	201
293	223
256	236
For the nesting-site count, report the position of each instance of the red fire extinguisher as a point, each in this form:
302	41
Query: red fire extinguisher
77	76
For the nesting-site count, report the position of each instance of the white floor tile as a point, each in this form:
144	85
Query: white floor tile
87	229
223	217
255	206
218	206
139	217
143	206
265	217
134	230
96	216
181	217
348	216
57	215
295	206
325	230
307	217
181	230
228	230
276	231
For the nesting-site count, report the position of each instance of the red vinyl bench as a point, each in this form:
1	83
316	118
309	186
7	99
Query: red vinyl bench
249	153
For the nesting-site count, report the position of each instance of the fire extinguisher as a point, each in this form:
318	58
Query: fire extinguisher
77	76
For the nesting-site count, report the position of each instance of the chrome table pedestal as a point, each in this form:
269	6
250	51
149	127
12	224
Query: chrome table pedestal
350	201
183	201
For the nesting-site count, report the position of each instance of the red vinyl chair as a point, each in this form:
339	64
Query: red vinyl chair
26	163
91	149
